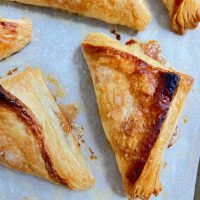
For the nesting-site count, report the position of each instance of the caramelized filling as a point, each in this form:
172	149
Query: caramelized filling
70	112
153	50
150	48
154	109
58	92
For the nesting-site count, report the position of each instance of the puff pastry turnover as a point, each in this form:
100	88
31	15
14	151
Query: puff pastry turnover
35	137
131	13
139	102
184	14
14	35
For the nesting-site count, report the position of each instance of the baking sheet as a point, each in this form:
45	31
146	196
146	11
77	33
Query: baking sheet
56	50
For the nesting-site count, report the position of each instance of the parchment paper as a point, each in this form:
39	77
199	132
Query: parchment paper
56	50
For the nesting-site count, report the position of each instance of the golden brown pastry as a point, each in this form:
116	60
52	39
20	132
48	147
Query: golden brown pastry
14	35
184	14
35	138
139	103
131	13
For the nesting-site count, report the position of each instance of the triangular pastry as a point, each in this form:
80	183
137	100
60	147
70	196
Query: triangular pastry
35	138
131	13
184	14
139	102
14	35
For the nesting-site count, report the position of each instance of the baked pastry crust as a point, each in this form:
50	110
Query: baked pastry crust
139	102
35	138
14	35
184	14
131	13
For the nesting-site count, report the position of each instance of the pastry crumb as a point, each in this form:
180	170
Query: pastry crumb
10	72
79	133
93	157
165	165
174	137
130	42
92	154
185	120
117	35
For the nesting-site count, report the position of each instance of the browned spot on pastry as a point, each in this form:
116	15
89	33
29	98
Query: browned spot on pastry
130	60
126	58
8	33
10	27
158	105
10	102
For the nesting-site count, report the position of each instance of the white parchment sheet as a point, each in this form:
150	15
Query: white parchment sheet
56	50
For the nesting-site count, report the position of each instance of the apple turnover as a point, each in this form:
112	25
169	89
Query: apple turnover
139	102
14	35
184	14
35	137
131	13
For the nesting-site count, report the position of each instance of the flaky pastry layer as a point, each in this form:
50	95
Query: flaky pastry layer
184	14
35	137
131	13
14	35
139	102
